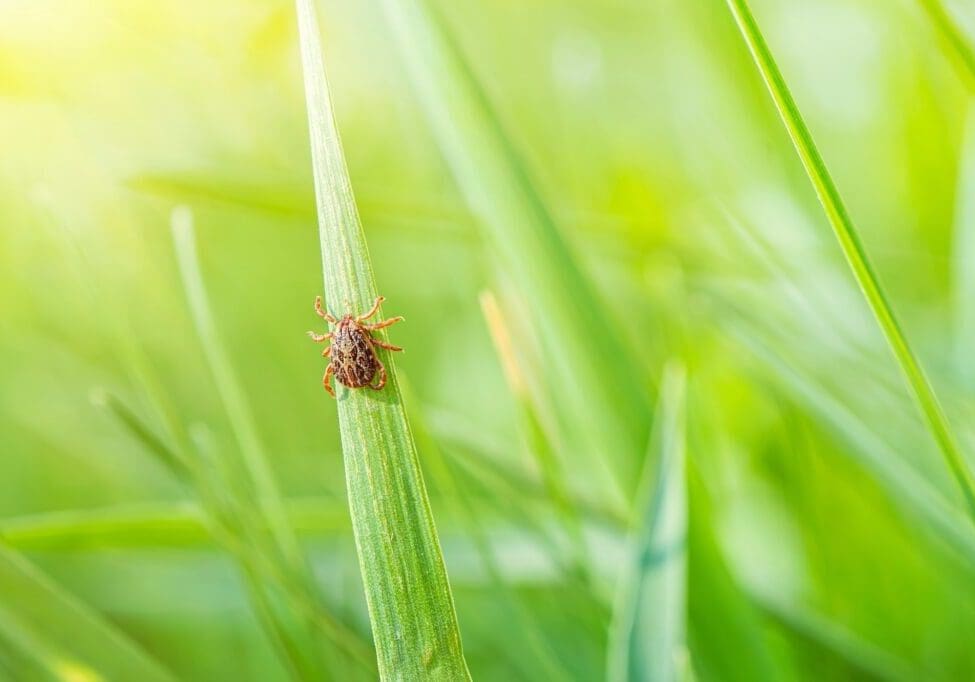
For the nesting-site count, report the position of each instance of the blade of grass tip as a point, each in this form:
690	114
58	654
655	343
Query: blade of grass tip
70	635
533	433
963	258
610	414
854	252
443	479
407	593
646	638
952	36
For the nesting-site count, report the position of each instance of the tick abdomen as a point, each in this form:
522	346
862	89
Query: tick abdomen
352	356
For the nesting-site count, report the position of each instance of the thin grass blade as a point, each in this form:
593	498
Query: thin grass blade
963	258
62	633
953	38
647	640
410	604
178	525
231	393
854	252
922	502
534	434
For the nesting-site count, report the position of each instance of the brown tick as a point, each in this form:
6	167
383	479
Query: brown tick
352	355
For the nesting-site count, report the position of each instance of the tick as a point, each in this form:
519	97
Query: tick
352	354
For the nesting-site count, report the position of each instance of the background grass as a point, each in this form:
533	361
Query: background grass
826	539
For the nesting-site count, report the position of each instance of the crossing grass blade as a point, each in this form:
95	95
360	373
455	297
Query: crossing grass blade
251	506
923	503
285	602
647	636
63	635
865	658
409	599
846	234
609	418
533	433
181	525
544	660
953	38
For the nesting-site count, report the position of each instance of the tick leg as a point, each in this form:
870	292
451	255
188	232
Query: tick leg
318	338
383	324
381	371
326	379
373	310
322	312
327	352
383	344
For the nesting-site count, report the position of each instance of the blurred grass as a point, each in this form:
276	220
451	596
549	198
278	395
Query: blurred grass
603	401
853	249
62	635
826	538
953	37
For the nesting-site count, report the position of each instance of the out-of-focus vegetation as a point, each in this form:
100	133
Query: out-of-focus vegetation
616	176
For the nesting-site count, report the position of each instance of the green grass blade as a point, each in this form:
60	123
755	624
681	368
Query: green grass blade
854	252
410	604
231	393
534	434
867	659
647	640
181	525
64	635
922	502
609	414
963	258
953	37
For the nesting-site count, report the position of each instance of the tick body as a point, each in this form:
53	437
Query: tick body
352	355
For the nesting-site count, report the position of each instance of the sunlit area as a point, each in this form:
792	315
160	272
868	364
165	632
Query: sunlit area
684	387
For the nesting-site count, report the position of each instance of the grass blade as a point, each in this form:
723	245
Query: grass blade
963	258
609	418
181	525
64	635
854	252
921	501
534	434
647	639
953	37
231	393
867	659
407	593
